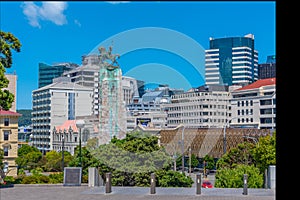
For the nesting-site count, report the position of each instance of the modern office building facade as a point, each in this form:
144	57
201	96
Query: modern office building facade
87	75
267	69
148	111
54	104
254	105
48	72
207	106
130	89
231	61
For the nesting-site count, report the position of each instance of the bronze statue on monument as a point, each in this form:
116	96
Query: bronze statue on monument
108	59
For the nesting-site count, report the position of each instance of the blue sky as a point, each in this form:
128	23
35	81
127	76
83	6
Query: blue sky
159	42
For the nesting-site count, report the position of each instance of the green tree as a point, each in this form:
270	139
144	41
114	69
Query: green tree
2	174
234	178
173	179
29	157
265	152
8	43
133	159
1	158
194	161
87	160
209	162
256	156
53	161
242	154
92	144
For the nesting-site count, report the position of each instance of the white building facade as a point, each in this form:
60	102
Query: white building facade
254	105
54	104
202	107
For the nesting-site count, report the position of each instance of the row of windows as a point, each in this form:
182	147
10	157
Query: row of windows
245	112
245	103
195	114
196	121
197	107
196	94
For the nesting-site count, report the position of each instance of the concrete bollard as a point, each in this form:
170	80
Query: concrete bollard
245	189
152	184
272	177
198	183
93	177
108	183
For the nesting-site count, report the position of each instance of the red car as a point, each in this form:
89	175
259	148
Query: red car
207	184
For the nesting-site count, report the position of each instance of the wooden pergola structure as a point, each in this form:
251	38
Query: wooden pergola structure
207	141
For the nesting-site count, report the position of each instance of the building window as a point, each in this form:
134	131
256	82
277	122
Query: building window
5	151
6	121
5	167
6	135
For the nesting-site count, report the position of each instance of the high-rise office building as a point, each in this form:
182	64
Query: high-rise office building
231	61
48	72
54	104
267	69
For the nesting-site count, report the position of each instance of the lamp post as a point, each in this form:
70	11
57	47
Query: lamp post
182	148
80	125
224	131
224	134
190	161
174	157
63	153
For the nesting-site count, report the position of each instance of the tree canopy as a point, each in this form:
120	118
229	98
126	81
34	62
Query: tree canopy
8	43
29	157
247	158
131	161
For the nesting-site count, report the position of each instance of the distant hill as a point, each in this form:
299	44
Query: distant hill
25	119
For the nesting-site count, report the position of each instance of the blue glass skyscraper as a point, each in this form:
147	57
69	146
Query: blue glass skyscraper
231	61
48	72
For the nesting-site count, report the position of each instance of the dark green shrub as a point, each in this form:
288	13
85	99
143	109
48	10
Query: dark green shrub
234	177
35	179
56	178
9	179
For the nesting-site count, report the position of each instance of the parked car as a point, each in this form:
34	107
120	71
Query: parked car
207	184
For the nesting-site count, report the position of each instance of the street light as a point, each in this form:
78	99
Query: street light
190	161
80	125
182	148
224	131
224	134
63	153
174	157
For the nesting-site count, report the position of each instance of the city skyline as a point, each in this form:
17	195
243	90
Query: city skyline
55	32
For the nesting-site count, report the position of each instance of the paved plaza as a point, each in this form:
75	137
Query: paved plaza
83	192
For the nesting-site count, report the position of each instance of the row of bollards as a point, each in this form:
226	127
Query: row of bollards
153	184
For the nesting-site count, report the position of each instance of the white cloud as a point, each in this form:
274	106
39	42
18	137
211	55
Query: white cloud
48	11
